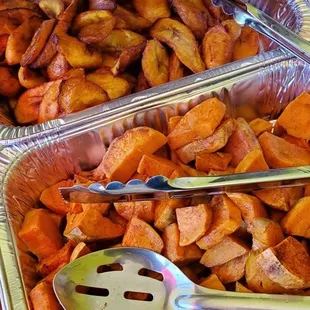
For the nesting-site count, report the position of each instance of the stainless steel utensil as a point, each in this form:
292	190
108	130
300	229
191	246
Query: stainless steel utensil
160	187
89	284
247	14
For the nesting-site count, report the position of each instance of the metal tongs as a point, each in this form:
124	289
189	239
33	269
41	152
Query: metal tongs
247	14
159	187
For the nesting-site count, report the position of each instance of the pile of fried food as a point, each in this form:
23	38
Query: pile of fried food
63	56
245	242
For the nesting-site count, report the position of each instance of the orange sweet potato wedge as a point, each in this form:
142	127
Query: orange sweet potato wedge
241	288
250	207
153	165
276	215
241	142
211	144
282	154
173	251
40	233
38	42
155	63
43	297
50	277
201	215
176	68
116	218
253	161
28	104
217	47
295	119
231	271
232	28
124	154
226	220
297	141
199	123
212	282
90	226
247	44
266	233
287	264
58	67
178	37
58	219
101	207
29	78
152	9
9	83
297	221
142	209
216	161
280	198
172	123
142	235
80	250
259	126
229	248
52	199
78	94
52	262
194	15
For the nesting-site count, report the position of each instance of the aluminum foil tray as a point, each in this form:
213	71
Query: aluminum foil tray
292	13
27	168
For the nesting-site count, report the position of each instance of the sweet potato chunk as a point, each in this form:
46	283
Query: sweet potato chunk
247	44
217	47
49	264
194	15
259	126
90	226
253	161
43	297
172	123
241	288
78	94
231	271
9	84
50	277
176	253
297	220
38	42
20	39
76	52
266	233
40	233
298	141
116	218
28	104
212	282
152	9
280	198
282	154
241	142
226	220
115	86
132	20
124	154
217	161
201	215
211	144
29	78
199	123
229	248
287	264
152	165
250	207
49	107
80	250
142	209
176	68
155	63
52	199
295	119
178	37
276	215
142	235
232	28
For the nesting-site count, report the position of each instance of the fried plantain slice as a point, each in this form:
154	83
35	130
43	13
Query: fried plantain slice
152	9
8	25
109	5
29	78
9	84
21	15
18	4
176	68
52	8
181	40
58	67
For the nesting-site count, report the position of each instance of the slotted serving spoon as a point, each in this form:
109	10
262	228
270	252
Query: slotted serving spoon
108	290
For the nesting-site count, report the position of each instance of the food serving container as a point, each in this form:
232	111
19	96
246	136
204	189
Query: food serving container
292	13
260	90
